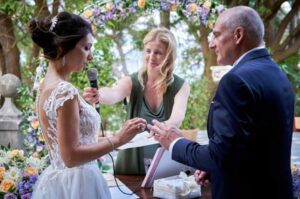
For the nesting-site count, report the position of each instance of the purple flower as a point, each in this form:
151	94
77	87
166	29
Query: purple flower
108	15
96	12
123	13
26	196
203	11
27	185
132	8
32	179
101	23
165	6
204	14
21	188
117	2
10	196
22	191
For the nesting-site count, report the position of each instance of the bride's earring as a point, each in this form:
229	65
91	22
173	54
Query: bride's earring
63	61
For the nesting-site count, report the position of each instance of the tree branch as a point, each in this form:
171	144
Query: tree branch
41	8
274	6
287	40
164	19
203	39
10	50
281	55
284	23
55	7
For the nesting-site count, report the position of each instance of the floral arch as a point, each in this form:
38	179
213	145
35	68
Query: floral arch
101	13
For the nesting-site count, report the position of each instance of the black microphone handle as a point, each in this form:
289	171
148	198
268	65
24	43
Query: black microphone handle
94	84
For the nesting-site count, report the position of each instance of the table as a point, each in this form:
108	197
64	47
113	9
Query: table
134	182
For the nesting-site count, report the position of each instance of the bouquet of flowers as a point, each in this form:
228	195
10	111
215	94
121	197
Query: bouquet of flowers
296	181
19	173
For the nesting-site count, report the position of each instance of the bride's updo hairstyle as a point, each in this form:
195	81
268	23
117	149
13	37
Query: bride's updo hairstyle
58	35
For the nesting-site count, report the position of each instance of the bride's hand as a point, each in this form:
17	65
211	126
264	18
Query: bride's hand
131	128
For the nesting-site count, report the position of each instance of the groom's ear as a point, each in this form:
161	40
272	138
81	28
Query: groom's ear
239	34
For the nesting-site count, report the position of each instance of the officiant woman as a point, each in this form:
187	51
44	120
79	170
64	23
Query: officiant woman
154	92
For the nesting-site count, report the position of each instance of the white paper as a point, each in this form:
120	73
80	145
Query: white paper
139	140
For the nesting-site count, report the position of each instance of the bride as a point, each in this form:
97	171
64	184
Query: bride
69	124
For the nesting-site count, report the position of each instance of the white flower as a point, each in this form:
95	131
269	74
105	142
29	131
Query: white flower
39	148
2	154
35	162
3	157
13	173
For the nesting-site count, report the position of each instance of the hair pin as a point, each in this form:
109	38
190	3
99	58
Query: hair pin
53	23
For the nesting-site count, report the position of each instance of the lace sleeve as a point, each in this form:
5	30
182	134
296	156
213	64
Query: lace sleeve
63	92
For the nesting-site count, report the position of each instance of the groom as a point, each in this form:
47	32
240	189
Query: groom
250	120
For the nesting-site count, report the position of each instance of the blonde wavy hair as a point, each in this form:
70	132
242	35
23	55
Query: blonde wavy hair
164	36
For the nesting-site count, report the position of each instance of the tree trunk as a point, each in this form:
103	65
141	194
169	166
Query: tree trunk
117	39
165	19
55	7
208	54
2	62
41	11
9	46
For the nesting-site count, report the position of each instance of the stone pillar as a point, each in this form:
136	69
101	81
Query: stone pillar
10	115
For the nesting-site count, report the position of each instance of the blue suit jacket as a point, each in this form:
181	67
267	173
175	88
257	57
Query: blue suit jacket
250	125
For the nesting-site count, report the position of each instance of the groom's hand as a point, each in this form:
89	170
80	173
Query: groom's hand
164	133
201	177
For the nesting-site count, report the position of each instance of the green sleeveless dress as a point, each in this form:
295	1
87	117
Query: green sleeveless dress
131	161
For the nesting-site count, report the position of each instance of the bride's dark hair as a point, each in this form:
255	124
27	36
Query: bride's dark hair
58	35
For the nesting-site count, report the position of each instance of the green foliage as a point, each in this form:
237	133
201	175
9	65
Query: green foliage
33	142
26	97
198	105
291	67
9	6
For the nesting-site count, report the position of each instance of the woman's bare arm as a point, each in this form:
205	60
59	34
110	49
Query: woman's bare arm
109	95
180	105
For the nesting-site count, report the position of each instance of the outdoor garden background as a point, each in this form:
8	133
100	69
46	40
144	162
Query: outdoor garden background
119	27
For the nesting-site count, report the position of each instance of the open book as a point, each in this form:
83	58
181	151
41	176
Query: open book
163	166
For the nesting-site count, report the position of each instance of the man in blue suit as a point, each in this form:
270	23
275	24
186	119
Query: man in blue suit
250	120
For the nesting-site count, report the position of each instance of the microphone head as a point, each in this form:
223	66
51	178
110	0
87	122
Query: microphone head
92	74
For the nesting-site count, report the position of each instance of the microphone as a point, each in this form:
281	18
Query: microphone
92	74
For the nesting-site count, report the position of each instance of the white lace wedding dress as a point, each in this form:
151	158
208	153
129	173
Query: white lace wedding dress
59	181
